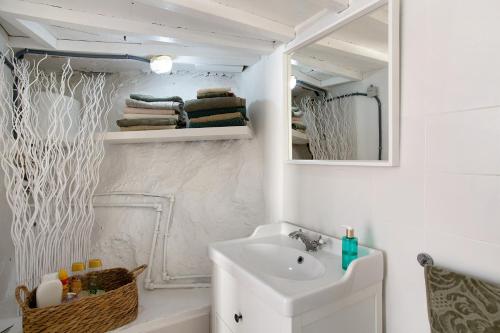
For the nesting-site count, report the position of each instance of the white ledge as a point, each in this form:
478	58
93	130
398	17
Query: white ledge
181	134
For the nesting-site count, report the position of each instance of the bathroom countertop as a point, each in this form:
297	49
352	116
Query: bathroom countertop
158	304
162	304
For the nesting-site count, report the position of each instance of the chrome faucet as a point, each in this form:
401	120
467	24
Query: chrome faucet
311	244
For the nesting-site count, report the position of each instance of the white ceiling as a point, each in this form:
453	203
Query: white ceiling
211	32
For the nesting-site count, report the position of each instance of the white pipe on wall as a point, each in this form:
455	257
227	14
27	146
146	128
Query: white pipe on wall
158	207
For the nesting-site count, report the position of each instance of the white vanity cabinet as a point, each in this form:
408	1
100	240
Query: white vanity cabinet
264	284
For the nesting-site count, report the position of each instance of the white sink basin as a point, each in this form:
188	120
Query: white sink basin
283	262
267	264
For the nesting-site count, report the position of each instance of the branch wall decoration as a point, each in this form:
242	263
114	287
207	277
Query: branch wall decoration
50	155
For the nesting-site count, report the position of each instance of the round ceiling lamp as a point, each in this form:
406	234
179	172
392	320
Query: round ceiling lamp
293	81
161	64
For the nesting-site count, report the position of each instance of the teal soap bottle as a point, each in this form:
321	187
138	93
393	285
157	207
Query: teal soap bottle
349	247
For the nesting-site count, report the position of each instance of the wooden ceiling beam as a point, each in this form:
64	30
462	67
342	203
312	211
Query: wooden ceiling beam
334	5
327	67
334	81
304	77
34	30
218	13
357	50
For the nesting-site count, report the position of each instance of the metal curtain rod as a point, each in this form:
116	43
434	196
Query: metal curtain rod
379	104
7	62
312	87
20	54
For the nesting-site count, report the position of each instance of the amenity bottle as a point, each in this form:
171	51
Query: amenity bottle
349	247
95	265
63	277
77	272
49	292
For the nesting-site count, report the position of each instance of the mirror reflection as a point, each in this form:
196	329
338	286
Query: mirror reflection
339	93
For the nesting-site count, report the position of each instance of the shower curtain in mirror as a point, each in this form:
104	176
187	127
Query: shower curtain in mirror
331	127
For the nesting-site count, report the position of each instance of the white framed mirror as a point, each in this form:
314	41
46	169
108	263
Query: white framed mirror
343	89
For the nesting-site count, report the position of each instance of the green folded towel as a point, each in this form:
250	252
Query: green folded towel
211	112
214	94
213	103
236	121
217	117
149	98
146	122
298	126
460	303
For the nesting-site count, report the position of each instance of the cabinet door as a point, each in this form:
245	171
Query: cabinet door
257	316
226	298
220	326
241	311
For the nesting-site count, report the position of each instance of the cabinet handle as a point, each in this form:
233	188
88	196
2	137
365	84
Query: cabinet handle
238	317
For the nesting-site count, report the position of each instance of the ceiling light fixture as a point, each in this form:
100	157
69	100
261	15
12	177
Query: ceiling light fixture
161	64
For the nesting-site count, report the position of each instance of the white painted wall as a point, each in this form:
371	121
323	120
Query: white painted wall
366	114
444	197
262	85
218	185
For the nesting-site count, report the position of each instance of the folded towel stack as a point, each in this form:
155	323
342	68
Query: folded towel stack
297	121
216	107
144	112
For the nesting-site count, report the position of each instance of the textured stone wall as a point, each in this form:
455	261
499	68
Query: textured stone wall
217	185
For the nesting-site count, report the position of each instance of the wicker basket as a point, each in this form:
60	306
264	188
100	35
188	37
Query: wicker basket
115	308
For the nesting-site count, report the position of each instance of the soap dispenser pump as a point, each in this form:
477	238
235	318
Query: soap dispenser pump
349	247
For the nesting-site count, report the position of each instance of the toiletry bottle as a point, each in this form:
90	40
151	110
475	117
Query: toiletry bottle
349	247
63	277
77	271
95	265
49	292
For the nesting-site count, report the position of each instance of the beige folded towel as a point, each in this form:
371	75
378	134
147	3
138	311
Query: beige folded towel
151	116
129	110
146	128
133	103
214	90
217	117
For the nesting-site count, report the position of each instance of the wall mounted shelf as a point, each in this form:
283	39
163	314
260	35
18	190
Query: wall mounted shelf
178	135
299	138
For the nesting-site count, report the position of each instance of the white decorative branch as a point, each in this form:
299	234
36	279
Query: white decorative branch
51	157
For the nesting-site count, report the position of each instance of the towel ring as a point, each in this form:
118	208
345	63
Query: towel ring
425	259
